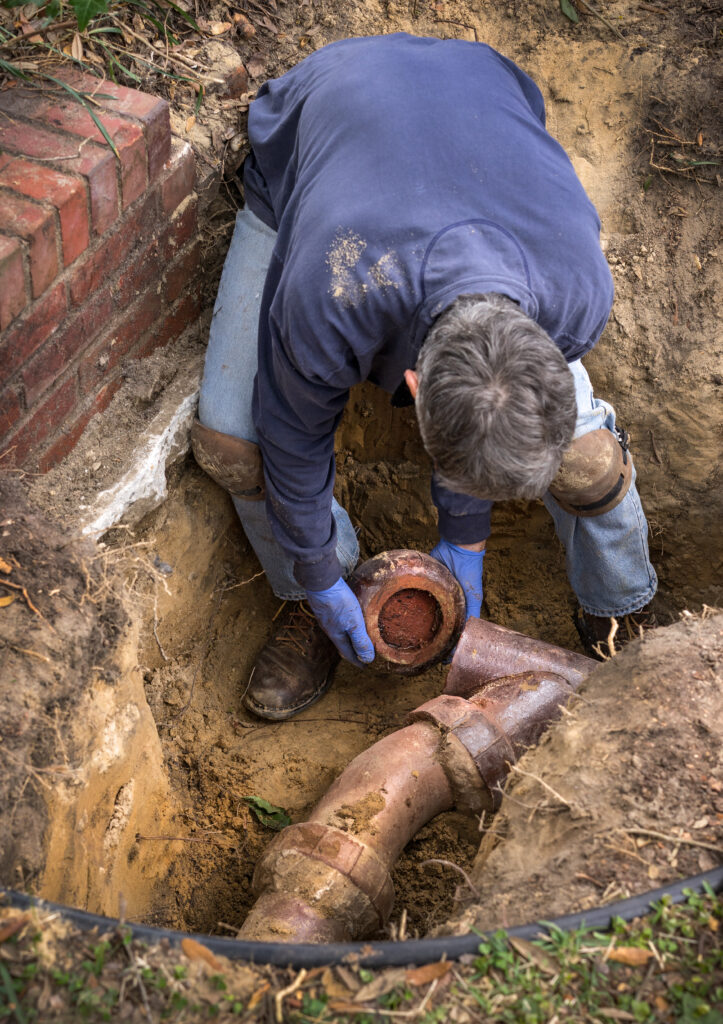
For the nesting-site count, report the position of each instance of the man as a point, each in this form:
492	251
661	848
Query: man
409	221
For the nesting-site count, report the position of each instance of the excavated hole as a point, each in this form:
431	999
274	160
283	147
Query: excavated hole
410	619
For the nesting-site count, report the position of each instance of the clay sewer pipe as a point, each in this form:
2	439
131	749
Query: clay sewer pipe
328	879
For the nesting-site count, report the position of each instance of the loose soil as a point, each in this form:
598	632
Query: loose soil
637	116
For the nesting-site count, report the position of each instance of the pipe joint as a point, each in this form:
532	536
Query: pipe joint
307	860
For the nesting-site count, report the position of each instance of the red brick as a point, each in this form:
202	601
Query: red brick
41	425
36	225
13	298
96	163
10	411
150	111
181	228
130	325
97	267
26	334
67	194
41	372
143	269
70	435
182	276
179	177
69	116
172	326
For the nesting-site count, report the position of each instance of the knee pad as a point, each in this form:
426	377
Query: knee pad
233	463
595	473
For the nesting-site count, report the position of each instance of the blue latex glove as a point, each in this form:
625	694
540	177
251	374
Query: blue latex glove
467	567
341	618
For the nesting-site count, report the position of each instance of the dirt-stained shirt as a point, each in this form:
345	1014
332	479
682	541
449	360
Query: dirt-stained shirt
400	173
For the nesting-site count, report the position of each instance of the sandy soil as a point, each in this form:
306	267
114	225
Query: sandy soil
616	105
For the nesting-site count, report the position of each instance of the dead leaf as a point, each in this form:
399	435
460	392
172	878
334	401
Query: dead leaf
612	1011
382	984
76	47
190	121
13	927
702	822
338	1007
5	566
217	28
633	956
257	996
654	871
244	26
423	975
333	988
8	599
712	924
256	66
534	954
195	951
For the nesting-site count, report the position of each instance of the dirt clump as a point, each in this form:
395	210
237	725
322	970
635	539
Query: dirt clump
622	795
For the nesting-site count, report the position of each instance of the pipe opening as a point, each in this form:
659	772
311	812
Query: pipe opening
410	619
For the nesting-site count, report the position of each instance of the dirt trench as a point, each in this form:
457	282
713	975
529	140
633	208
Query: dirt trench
127	760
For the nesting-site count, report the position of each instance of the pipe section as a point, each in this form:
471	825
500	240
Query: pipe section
487	651
413	608
331	873
328	879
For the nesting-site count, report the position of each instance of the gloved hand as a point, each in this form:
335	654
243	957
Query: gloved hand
467	567
341	618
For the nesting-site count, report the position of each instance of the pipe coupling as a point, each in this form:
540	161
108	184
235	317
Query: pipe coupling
307	860
488	732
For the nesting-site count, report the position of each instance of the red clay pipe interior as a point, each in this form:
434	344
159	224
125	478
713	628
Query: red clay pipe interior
486	651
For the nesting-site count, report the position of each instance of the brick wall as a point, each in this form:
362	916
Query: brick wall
99	257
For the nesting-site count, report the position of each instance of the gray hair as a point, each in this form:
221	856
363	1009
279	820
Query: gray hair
496	400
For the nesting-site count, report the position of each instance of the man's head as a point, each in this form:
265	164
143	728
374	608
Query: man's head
495	400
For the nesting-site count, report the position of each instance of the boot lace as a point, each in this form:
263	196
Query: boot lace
297	626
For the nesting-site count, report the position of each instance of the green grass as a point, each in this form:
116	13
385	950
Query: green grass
667	966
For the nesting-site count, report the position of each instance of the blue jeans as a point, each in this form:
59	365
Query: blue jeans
607	556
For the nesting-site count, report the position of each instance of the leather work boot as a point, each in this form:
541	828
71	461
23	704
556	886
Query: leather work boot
294	668
602	640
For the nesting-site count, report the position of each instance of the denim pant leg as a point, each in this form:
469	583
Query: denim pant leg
227	389
608	563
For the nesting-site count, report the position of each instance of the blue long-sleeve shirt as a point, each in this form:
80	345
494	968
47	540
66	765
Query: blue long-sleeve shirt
399	172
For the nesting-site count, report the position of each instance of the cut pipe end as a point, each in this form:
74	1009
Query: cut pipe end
414	609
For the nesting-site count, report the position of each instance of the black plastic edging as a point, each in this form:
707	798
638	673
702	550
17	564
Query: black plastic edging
377	954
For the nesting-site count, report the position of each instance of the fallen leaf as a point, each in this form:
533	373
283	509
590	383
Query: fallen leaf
195	951
244	25
5	566
702	822
382	984
633	956
257	997
333	988
337	1007
190	121
612	1011
76	47
661	1004
534	954
654	871
8	599
218	28
423	975
255	66
712	924
13	927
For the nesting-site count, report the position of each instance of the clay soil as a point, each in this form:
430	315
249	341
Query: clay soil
637	116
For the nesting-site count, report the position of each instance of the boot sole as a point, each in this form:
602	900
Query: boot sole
280	714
